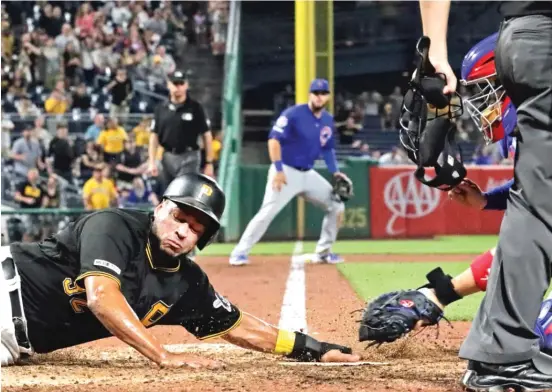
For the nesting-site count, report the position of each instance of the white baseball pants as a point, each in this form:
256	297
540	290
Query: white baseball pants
311	185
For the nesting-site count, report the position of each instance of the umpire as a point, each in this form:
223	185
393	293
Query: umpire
176	127
502	348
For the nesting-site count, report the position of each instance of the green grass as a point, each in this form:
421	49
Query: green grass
441	245
370	280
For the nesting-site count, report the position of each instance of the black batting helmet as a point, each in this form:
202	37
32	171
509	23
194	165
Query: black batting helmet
203	194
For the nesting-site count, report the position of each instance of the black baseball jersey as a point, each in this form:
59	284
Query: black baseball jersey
118	244
178	126
33	191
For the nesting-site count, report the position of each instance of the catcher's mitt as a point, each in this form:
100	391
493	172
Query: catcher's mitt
342	188
392	315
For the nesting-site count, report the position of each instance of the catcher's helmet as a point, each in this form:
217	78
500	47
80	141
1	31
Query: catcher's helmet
490	108
203	194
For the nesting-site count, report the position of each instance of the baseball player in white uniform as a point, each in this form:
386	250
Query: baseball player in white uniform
300	135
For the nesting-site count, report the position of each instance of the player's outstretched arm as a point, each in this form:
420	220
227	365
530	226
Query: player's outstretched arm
107	303
255	334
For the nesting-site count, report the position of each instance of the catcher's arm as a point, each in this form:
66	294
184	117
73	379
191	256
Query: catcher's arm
256	334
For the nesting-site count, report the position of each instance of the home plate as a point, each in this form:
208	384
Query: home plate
336	364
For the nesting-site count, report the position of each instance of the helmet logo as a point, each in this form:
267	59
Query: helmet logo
205	190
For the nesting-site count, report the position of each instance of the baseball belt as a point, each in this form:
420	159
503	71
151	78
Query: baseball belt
18	316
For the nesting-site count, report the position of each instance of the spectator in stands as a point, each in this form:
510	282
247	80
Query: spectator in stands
8	40
157	24
58	102
141	15
7	128
25	108
219	24
93	131
87	61
90	160
370	103
395	157
121	93
141	135
49	22
72	63
396	98
27	58
84	20
217	149
98	192
120	14
41	135
483	155
52	63
347	132
139	195
166	60
19	84
200	21
29	193
26	153
387	118
61	151
81	100
111	140
67	35
51	193
131	165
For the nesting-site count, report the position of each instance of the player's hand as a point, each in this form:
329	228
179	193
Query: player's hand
153	170
442	66
469	194
338	356
342	175
279	181
185	360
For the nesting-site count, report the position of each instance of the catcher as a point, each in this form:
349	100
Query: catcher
118	272
393	315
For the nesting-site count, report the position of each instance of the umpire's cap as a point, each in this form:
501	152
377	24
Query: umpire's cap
203	194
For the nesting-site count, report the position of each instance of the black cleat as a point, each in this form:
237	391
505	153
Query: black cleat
518	377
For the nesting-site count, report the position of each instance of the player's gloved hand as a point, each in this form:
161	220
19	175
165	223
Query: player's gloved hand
279	181
308	349
179	360
543	327
469	194
342	186
393	315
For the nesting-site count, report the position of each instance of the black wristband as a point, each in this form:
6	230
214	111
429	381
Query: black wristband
308	349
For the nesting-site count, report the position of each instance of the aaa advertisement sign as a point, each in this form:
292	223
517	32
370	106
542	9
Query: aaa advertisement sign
401	206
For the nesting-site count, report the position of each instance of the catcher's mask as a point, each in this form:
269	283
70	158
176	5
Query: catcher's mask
203	194
426	131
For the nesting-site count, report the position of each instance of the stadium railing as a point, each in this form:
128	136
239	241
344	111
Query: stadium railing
232	123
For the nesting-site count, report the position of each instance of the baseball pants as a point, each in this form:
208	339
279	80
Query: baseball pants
175	165
309	184
502	331
9	348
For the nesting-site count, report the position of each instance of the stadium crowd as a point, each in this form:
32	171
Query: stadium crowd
75	124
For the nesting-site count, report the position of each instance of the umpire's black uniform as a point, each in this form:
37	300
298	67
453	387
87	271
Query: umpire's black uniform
178	127
502	332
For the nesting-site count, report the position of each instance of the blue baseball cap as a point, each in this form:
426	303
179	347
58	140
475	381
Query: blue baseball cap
319	85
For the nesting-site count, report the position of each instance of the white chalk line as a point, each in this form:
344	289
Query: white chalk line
293	315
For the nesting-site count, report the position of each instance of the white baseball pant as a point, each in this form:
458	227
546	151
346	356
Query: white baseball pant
311	185
10	352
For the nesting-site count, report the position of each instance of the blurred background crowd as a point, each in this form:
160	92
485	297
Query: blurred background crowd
80	81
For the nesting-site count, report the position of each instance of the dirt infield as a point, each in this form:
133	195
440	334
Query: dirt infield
421	363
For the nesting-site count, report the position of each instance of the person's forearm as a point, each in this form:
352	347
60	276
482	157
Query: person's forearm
497	198
274	150
152	147
435	15
118	318
253	334
330	159
208	143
